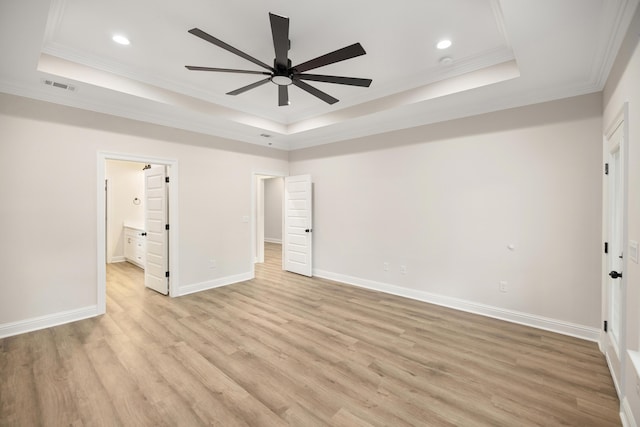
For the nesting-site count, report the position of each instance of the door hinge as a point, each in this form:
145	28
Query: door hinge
606	247
605	326
166	179
606	168
166	226
166	274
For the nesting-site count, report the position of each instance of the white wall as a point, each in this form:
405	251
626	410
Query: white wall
446	200
624	86
126	183
48	171
273	189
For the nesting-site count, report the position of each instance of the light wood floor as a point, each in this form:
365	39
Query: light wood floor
287	350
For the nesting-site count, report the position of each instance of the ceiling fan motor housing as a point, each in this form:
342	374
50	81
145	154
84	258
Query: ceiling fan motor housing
282	76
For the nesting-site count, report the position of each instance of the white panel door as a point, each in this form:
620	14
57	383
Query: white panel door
298	231
614	259
156	224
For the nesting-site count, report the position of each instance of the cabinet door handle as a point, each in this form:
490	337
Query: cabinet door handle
128	239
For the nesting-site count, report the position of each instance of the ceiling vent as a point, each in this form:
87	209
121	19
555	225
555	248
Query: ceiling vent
59	85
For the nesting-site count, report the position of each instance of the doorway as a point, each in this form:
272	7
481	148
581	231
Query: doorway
296	222
136	221
268	219
125	210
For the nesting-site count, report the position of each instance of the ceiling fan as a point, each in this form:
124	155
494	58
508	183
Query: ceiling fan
282	73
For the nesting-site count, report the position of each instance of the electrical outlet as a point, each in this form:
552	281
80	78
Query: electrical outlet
403	269
503	286
212	263
638	386
385	266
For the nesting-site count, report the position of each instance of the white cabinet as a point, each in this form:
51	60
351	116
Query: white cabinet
134	245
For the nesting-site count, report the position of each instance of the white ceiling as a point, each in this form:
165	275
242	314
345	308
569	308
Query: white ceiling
505	53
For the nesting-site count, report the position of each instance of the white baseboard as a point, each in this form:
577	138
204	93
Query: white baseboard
115	259
270	240
601	343
42	322
613	377
626	414
553	325
211	284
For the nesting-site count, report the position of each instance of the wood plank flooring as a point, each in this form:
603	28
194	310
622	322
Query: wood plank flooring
285	350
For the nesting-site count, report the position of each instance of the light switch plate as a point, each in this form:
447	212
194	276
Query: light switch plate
633	251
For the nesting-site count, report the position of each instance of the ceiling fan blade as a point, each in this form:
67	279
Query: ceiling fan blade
207	37
315	92
283	95
249	87
352	81
225	70
348	52
280	32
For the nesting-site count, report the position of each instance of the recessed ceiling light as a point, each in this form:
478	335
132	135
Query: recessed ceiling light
444	44
120	39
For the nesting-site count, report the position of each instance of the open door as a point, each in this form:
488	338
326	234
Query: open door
156	272
614	280
298	231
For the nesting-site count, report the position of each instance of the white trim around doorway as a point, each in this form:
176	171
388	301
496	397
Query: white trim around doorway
253	234
102	157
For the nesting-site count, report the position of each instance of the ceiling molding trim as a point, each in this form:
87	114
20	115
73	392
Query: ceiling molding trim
620	13
54	19
499	17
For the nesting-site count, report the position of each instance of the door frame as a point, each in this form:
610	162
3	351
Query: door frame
254	211
620	120
102	157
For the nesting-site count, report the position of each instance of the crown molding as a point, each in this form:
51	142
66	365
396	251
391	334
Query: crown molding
621	15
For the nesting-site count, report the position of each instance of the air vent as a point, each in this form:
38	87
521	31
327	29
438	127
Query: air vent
59	85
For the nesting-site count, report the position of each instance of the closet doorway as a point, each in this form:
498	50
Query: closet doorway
268	216
267	219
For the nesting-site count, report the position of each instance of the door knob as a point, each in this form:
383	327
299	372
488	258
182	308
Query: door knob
615	274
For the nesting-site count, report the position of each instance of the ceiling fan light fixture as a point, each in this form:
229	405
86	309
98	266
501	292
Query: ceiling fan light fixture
281	80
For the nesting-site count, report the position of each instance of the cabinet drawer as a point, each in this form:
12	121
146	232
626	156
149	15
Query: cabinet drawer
139	258
134	246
